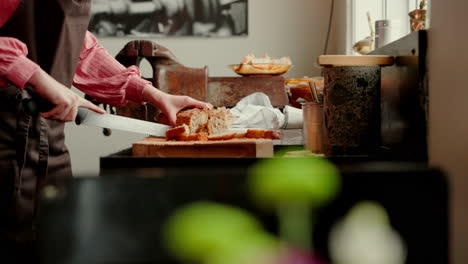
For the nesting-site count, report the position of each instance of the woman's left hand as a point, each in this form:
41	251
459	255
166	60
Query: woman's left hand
170	104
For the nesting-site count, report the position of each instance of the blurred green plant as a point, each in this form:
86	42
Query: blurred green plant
211	233
294	187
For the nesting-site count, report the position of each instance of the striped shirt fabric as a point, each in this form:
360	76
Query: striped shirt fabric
98	74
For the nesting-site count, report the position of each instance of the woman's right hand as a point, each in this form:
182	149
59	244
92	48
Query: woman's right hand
65	100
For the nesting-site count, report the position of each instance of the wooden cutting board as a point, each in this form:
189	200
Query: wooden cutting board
237	148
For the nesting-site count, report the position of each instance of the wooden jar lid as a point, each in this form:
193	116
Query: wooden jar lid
350	60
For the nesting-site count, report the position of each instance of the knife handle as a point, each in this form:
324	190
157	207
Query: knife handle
81	115
37	104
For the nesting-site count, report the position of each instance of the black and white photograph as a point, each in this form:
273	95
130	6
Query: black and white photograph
153	18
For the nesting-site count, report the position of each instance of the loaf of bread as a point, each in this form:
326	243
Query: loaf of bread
252	59
219	121
211	124
252	65
196	119
198	124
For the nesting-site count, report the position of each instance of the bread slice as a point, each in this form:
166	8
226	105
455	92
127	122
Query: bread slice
182	133
202	136
222	136
250	133
176	132
265	134
227	135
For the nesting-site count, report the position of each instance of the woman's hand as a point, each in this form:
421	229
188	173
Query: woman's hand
169	104
66	101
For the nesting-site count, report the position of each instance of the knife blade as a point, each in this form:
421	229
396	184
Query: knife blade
91	118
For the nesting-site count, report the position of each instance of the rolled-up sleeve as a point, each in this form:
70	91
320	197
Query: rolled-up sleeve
15	67
101	76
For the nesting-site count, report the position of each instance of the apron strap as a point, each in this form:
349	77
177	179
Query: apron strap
22	136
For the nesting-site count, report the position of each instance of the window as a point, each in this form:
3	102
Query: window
395	10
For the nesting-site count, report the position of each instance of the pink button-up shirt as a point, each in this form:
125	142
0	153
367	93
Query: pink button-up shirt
98	74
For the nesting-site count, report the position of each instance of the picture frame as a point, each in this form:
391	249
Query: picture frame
165	18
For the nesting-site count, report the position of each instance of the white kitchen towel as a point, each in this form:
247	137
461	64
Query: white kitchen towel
256	111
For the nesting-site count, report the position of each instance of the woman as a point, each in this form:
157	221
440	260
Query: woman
44	49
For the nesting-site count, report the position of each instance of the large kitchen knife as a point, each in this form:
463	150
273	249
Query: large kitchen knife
91	118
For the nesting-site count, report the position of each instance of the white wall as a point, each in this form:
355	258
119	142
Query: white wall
295	28
277	27
448	93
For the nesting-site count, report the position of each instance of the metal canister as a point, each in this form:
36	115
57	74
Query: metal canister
352	110
313	129
386	31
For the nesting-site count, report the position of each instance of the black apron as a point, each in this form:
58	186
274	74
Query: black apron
32	150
